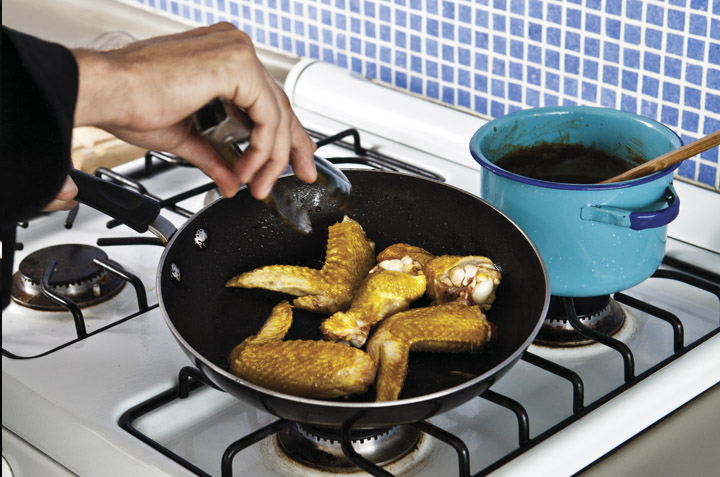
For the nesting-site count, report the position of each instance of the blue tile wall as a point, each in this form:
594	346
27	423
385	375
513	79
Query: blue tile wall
657	58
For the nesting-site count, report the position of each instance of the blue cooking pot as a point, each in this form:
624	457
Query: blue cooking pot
595	239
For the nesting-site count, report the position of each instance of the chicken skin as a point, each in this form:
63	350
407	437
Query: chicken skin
389	288
469	279
305	368
349	257
451	327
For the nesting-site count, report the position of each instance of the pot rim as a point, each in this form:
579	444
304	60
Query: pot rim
485	163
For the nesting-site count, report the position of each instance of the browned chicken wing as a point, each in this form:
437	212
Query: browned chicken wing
470	279
450	327
349	257
313	369
389	288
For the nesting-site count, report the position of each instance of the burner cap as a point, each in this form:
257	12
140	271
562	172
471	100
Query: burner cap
76	277
601	313
319	447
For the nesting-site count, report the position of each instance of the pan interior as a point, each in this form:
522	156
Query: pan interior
243	235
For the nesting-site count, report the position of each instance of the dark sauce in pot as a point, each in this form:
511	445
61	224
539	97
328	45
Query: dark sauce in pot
567	163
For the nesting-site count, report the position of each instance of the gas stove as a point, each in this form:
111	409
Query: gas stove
104	389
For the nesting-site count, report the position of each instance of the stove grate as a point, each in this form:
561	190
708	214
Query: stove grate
191	379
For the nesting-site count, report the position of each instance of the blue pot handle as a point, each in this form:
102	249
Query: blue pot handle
660	214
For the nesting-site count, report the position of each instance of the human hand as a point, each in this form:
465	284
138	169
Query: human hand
145	93
65	199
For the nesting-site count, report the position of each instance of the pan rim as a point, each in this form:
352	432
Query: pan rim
358	405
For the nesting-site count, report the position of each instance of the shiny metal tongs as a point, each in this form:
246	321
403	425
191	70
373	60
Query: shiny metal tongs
224	125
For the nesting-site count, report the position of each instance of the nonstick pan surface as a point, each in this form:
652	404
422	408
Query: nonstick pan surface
235	235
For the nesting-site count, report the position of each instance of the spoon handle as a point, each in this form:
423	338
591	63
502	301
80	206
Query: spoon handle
669	158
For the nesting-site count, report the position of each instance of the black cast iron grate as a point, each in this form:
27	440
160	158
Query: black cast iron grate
191	379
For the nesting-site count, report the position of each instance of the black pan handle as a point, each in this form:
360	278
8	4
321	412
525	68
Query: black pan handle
132	209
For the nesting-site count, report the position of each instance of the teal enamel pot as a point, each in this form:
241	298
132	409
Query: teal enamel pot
595	239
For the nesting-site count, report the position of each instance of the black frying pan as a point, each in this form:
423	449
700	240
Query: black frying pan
208	319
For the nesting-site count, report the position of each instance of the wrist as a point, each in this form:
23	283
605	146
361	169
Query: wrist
96	104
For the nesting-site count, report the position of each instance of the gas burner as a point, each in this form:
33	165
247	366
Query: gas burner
76	276
601	313
320	447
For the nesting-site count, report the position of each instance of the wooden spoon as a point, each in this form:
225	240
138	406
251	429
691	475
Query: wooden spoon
668	159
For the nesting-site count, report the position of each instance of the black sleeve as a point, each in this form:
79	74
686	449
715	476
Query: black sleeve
39	90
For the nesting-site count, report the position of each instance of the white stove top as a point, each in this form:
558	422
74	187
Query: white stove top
66	404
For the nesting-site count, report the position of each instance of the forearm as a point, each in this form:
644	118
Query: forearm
98	86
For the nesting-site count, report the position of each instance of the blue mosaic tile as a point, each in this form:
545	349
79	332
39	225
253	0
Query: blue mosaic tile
572	64
463	77
651	86
611	52
629	80
553	36
589	92
590	69
690	121
550	99
499	45
715	29
416	85
492	57
570	87
448	73
480	104
464	35
712	103
572	41
631	58
552	81
655	15
671	92
516	71
714	53
673	67
713	78
400	59
592	47
401	80
482	18
607	98
707	174
464	56
687	169
448	53
534	75
669	115
448	95
463	98
676	20
628	103
515	92
432	89
695	49
535	32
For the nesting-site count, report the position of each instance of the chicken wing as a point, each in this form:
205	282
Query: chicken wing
470	279
349	257
305	368
451	327
389	288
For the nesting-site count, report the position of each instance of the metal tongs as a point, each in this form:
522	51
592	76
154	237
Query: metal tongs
224	126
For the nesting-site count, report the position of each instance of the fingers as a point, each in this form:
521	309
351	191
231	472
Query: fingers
277	139
206	159
65	198
301	154
157	84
